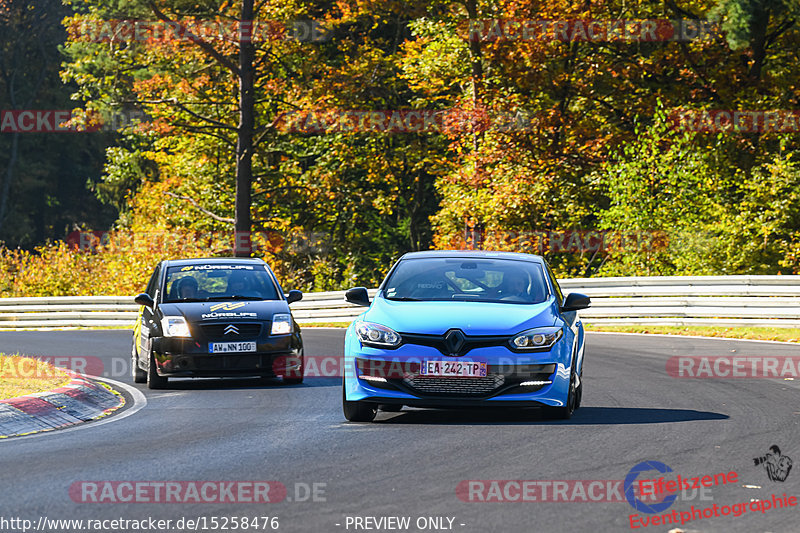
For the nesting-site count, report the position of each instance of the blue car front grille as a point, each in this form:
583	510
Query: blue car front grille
440	343
428	386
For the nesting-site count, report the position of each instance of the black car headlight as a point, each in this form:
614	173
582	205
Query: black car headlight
175	326
537	338
372	334
281	324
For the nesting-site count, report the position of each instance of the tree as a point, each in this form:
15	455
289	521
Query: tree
42	174
149	59
756	25
366	195
664	200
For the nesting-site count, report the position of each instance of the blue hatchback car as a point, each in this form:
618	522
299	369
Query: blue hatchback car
465	329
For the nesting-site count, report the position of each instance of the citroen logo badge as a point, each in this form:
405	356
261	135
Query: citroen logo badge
454	341
231	329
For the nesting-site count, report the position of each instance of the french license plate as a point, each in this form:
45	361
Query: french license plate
457	369
228	347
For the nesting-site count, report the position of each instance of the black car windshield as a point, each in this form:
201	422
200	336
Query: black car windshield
480	280
210	281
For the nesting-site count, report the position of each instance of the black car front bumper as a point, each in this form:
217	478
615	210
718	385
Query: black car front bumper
188	357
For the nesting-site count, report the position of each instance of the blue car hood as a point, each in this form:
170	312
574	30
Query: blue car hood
473	318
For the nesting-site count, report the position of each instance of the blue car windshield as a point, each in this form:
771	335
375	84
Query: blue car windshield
209	282
479	280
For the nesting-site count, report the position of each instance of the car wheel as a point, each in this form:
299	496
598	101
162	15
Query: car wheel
154	381
566	411
358	411
579	391
391	408
138	375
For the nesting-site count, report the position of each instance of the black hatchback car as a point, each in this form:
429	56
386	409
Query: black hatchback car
218	317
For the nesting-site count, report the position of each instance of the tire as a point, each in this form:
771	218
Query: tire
568	409
358	411
138	375
391	408
154	381
579	391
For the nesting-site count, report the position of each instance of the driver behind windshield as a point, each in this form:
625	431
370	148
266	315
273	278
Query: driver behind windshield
516	286
240	285
187	288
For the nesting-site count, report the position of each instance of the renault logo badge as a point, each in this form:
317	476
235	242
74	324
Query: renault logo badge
454	341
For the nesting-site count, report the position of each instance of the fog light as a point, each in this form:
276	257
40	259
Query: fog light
372	378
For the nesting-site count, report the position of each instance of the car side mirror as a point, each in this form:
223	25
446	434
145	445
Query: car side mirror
575	302
145	300
294	296
358	296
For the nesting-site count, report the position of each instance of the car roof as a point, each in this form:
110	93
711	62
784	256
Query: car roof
472	254
212	260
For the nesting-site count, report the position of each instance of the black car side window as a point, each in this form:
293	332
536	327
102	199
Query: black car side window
559	294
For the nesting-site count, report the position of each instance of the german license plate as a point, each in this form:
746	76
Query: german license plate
228	347
455	369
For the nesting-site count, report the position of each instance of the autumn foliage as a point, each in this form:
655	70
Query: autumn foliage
549	138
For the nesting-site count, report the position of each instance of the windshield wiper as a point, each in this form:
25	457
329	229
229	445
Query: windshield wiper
403	299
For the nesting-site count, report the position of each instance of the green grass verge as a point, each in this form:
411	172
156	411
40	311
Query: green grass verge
325	325
755	333
24	375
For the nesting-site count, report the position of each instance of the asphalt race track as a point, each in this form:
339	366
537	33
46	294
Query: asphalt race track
409	464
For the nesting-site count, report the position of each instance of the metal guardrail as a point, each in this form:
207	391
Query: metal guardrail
659	300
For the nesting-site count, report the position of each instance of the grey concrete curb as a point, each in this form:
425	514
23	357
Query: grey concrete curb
79	401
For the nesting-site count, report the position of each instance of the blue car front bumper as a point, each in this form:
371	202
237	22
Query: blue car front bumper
392	376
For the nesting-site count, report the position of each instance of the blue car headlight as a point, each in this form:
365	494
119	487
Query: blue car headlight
377	335
537	338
